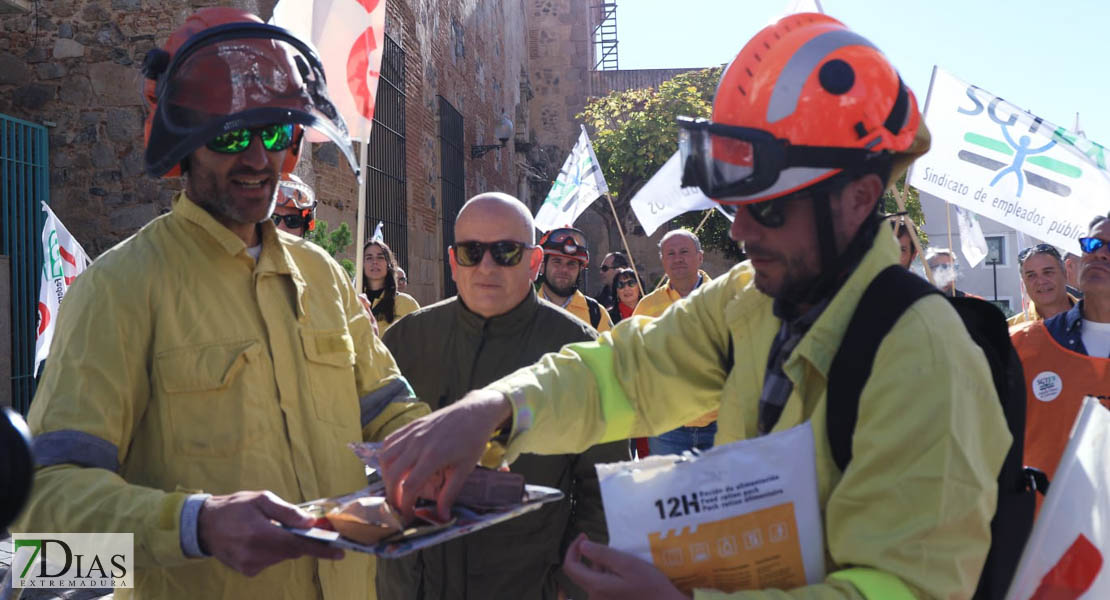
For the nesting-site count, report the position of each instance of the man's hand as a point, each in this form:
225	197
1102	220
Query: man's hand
432	456
237	529
615	575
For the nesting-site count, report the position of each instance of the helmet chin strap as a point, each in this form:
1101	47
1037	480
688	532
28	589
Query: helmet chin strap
835	265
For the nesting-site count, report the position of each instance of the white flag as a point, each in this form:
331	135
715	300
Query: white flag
349	36
972	241
579	183
999	161
1067	552
663	198
63	260
378	237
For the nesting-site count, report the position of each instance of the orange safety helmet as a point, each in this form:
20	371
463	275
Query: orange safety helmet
295	193
568	242
224	70
804	100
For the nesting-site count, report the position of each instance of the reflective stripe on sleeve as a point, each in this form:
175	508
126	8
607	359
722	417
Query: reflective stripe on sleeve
875	584
616	409
371	405
76	447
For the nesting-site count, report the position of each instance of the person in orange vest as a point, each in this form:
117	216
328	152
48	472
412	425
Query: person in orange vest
1044	276
1067	357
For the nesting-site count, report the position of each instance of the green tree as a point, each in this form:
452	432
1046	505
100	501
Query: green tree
334	242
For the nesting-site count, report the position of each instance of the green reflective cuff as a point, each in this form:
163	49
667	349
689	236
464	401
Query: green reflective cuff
616	409
875	584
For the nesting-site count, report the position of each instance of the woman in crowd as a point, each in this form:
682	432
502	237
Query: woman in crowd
379	283
627	292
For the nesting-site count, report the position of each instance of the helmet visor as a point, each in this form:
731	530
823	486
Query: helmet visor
238	76
296	195
568	242
745	165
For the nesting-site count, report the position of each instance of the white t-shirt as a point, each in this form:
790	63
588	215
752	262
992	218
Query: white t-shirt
1096	338
256	251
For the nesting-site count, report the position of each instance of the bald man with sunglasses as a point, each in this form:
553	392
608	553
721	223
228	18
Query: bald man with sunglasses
494	326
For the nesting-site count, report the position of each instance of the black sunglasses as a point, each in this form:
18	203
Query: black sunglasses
1090	245
1038	249
624	283
292	221
505	253
275	138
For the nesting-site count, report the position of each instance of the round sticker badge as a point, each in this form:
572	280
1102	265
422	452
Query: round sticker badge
1047	386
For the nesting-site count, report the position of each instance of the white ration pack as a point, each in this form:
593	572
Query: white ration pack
741	516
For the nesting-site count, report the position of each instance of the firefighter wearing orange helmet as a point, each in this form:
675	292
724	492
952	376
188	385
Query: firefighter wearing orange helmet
295	210
207	371
810	123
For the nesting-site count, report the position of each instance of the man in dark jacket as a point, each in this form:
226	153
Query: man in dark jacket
494	326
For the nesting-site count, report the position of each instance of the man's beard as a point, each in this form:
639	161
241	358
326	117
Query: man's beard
206	192
563	292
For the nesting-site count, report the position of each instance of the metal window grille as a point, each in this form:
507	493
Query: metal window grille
386	185
452	175
24	183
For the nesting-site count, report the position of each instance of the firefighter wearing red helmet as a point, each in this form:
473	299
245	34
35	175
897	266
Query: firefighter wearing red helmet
566	256
810	123
208	355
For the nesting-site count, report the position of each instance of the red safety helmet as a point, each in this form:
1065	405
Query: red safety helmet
804	100
295	193
568	242
223	70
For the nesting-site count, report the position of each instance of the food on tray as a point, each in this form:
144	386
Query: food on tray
365	520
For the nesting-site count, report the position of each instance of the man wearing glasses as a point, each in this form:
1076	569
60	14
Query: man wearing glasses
809	125
613	261
1067	357
295	210
496	325
1044	276
207	354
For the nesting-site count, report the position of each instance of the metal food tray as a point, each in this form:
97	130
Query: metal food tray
467	521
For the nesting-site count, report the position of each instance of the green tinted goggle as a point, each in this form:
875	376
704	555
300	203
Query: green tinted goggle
275	138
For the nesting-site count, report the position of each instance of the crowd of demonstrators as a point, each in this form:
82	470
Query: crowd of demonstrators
494	326
379	284
613	261
906	248
681	254
566	256
1043	275
895	526
207	370
628	294
295	209
1066	356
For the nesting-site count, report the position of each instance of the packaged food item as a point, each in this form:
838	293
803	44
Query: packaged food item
366	520
486	489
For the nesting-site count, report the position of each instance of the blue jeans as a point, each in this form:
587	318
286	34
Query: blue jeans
684	438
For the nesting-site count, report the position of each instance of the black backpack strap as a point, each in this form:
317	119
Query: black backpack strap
892	292
595	311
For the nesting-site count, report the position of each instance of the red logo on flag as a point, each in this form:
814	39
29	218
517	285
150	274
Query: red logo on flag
359	77
1073	574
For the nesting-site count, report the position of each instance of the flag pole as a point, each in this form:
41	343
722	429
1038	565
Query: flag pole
360	226
624	241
